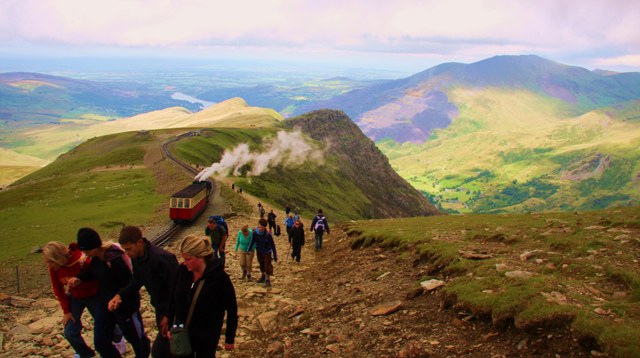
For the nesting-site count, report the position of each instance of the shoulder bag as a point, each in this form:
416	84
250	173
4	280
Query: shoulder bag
180	343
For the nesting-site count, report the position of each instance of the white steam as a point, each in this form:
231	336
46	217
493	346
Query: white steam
286	149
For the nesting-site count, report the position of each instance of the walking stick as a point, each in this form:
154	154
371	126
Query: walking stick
290	251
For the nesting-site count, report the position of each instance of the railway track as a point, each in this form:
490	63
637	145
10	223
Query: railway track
167	235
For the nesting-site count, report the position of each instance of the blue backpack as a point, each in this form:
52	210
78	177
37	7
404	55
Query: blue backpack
220	221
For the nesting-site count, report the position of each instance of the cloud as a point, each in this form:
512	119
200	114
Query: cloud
454	29
286	149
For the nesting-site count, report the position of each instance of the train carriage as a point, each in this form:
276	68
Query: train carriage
188	203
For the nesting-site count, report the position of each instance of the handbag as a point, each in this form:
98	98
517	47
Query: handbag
180	343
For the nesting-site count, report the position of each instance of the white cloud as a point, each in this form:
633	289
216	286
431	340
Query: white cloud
454	29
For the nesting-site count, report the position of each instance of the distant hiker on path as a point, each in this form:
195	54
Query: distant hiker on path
218	236
271	220
155	269
297	240
265	247
319	225
287	210
288	223
246	257
261	210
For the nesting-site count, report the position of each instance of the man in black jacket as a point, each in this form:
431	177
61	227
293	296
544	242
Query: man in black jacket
155	269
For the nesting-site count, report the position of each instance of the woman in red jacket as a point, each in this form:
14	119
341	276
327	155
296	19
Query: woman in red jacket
64	263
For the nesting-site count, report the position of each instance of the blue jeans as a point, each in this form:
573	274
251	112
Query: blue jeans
73	330
319	234
132	329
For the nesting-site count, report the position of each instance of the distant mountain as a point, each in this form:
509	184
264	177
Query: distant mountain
28	99
410	109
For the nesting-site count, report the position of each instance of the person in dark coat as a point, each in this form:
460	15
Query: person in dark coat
319	225
112	268
297	240
265	247
155	269
216	297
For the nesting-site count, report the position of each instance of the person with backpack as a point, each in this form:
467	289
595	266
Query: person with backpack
218	235
265	247
155	269
112	268
288	223
319	225
297	240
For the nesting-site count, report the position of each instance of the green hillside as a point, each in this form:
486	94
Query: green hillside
519	151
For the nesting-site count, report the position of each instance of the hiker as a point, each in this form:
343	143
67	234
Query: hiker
218	236
64	263
215	296
297	240
296	216
233	186
261	210
246	257
265	247
112	268
288	224
287	210
319	225
155	269
271	220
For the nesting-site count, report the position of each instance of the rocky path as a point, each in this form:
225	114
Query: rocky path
336	302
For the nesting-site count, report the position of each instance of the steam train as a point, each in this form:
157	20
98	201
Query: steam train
186	204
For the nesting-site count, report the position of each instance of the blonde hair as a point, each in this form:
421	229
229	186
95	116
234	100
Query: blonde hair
55	251
198	246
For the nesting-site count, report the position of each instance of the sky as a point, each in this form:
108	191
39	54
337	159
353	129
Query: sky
408	35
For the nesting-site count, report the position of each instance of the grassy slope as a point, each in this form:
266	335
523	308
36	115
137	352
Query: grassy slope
586	263
101	183
520	136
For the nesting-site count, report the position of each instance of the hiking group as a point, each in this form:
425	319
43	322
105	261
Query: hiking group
196	294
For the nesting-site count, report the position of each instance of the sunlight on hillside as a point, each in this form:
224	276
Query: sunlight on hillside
506	138
48	141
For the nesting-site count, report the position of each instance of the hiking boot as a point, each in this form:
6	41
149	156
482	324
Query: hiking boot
267	283
261	279
244	275
248	277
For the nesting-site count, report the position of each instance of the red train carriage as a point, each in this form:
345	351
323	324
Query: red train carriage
188	203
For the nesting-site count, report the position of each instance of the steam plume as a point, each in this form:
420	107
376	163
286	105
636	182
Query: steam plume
287	149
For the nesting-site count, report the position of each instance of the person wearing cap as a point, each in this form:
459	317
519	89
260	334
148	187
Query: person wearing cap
218	237
217	296
112	268
246	257
155	269
265	247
